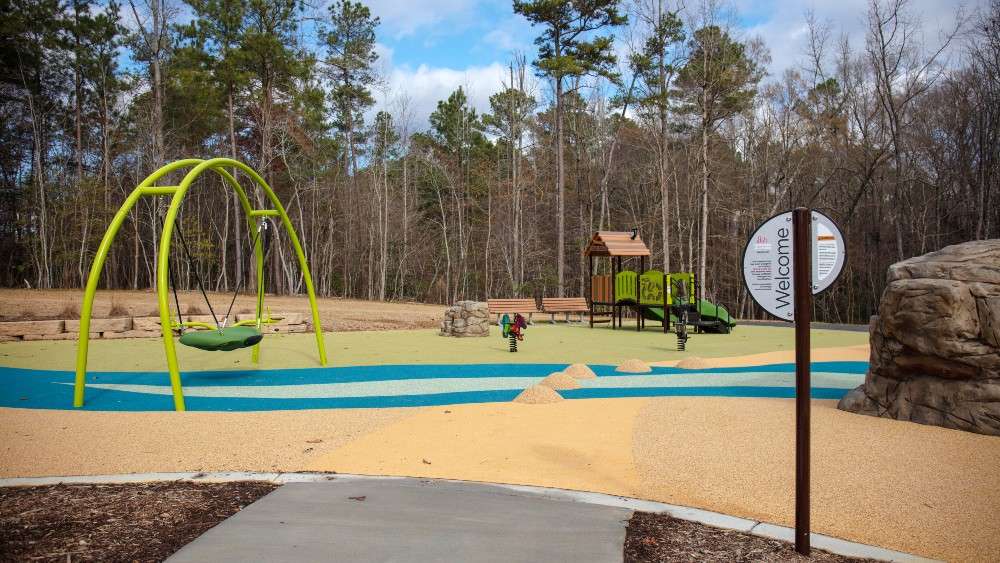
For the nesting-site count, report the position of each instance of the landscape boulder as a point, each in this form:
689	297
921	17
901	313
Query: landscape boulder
466	318
935	344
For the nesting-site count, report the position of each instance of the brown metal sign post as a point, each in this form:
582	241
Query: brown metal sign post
802	279
788	259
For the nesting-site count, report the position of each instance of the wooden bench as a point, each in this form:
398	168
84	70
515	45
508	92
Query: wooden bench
567	305
511	306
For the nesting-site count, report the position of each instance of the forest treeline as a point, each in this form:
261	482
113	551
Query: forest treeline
631	115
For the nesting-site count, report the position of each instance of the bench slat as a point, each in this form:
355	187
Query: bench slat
512	306
564	304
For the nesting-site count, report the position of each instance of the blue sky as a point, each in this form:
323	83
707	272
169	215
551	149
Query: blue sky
474	36
430	47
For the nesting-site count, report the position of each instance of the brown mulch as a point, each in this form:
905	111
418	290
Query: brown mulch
659	537
125	522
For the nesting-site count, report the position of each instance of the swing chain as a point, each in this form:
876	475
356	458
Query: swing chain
262	227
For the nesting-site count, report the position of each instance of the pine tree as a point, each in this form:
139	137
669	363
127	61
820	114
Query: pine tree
511	117
222	26
274	61
350	46
458	132
350	55
219	32
567	48
654	67
34	66
718	81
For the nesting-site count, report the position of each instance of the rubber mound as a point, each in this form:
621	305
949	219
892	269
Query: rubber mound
538	395
580	371
634	366
560	380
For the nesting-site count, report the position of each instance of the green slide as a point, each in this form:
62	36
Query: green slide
653	313
651	288
715	316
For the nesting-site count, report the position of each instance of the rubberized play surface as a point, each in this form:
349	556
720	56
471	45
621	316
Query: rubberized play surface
544	344
408	368
405	386
725	453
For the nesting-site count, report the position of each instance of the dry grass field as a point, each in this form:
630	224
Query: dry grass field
335	314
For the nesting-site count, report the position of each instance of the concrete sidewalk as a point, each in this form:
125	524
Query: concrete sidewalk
412	520
435	515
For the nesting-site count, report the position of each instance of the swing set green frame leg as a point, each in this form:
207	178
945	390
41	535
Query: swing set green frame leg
148	187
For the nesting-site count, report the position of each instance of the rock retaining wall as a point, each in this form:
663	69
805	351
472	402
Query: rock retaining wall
129	327
466	318
935	344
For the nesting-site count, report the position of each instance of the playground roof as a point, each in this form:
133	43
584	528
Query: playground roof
616	243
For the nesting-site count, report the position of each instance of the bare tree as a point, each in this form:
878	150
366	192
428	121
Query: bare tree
903	69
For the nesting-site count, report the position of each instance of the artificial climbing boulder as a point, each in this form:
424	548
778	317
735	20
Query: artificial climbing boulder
935	344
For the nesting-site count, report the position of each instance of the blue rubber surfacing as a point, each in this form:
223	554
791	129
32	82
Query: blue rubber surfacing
247	390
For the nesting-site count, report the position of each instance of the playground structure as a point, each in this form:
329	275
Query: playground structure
219	337
670	298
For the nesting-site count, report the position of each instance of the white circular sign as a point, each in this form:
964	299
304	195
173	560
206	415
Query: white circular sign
768	262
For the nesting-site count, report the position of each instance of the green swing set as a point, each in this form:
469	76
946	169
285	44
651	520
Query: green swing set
218	337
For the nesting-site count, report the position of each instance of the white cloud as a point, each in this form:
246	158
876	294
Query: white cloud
384	63
511	34
784	31
425	86
403	18
501	39
786	34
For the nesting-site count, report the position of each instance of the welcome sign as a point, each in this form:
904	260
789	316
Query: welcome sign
768	261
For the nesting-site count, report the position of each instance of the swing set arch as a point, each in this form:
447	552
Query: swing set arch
148	188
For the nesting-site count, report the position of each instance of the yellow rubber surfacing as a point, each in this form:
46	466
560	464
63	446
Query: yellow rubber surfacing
909	487
556	445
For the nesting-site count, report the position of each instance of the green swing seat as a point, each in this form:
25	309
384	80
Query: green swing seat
223	339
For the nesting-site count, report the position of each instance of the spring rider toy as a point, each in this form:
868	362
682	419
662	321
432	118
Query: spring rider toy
512	329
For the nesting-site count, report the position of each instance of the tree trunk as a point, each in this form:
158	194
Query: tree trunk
703	234
560	182
664	147
664	208
351	167
406	225
230	195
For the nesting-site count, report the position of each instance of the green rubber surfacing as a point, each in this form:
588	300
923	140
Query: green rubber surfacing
544	343
222	340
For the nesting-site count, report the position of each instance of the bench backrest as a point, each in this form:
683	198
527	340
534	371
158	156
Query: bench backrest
511	305
564	304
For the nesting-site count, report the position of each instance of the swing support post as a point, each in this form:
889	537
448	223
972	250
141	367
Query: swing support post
259	253
148	187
